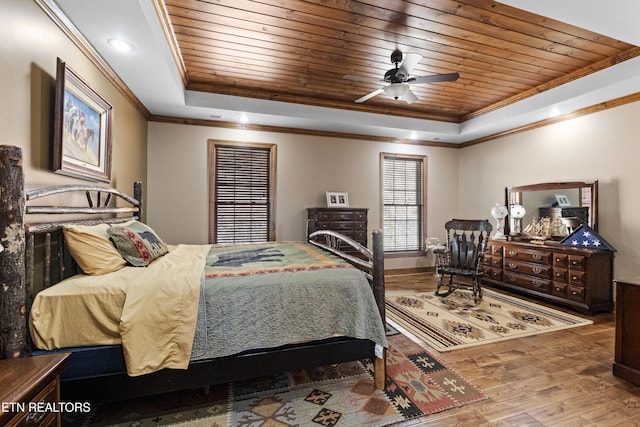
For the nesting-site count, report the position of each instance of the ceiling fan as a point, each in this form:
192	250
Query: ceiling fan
399	79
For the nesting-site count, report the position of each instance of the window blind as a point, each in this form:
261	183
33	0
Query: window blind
242	194
403	194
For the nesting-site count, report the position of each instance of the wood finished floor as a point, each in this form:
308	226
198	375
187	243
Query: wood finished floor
560	378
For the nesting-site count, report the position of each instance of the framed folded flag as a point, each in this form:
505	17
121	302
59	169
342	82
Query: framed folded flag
585	237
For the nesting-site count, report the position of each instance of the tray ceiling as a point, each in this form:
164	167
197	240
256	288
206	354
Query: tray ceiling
328	53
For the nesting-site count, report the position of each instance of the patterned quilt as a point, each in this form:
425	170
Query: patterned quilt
266	295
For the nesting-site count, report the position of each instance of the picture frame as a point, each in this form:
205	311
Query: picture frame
82	128
562	200
337	199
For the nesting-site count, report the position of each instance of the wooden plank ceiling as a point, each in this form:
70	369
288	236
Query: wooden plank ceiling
331	52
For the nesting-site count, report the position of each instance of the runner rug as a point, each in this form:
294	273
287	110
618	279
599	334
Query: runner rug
418	384
456	321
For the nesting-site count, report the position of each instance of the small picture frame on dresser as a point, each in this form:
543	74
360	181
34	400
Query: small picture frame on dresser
562	201
337	199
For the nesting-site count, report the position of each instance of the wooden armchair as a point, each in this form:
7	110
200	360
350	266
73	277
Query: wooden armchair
462	257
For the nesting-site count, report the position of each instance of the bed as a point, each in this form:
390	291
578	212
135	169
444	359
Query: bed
215	298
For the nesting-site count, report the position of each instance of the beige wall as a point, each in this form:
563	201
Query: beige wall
603	146
30	42
307	166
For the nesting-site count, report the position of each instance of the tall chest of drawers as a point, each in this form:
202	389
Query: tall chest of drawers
575	277
352	222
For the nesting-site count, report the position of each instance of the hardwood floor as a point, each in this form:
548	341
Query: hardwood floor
561	378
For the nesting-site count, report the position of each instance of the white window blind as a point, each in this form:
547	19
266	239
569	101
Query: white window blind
403	196
242	200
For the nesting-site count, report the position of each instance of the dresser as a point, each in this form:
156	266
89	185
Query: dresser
30	390
352	222
575	277
626	364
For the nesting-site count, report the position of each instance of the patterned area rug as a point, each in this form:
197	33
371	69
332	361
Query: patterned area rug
418	384
456	321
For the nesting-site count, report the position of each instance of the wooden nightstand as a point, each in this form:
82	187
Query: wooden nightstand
30	380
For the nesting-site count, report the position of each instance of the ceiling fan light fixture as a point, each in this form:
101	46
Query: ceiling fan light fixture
396	90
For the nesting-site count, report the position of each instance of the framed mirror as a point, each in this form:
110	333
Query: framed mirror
576	202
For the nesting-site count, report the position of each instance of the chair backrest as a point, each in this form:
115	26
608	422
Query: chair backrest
466	240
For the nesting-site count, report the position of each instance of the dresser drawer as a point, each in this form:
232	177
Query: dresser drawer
560	274
493	273
341	216
559	289
560	260
360	236
492	261
577	262
528	254
359	216
531	269
30	416
576	278
576	293
336	225
494	249
529	282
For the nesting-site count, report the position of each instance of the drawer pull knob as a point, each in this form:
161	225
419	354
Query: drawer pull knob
513	253
35	417
574	293
574	278
537	256
513	266
537	270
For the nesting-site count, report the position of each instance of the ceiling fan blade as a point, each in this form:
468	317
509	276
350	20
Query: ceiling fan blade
410	97
369	96
410	60
451	77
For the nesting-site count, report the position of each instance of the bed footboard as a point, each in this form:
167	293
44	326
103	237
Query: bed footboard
372	264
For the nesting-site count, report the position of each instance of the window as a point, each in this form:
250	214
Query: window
403	202
241	192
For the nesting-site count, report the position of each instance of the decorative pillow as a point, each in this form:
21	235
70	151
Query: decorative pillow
91	248
137	243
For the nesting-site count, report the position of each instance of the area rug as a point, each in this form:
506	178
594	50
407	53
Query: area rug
418	384
457	322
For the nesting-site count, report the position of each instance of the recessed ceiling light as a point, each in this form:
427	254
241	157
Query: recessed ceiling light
243	119
414	135
555	112
120	45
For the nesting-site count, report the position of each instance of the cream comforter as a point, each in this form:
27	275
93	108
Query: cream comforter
152	312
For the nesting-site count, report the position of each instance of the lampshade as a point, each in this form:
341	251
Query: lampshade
396	90
517	211
499	211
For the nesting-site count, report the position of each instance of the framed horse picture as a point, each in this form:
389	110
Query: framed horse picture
82	128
